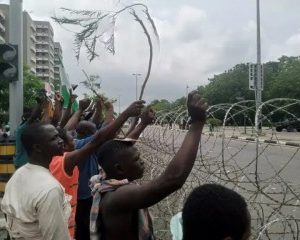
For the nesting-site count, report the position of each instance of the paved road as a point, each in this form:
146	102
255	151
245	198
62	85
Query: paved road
278	172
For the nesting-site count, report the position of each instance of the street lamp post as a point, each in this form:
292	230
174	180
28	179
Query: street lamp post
136	84
258	90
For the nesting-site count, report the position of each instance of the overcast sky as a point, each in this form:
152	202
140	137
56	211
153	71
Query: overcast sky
198	38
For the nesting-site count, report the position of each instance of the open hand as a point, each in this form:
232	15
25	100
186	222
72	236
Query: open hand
135	109
58	97
84	103
108	105
148	116
99	103
197	107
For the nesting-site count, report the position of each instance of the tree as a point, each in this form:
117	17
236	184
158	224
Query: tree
92	33
32	87
287	81
160	105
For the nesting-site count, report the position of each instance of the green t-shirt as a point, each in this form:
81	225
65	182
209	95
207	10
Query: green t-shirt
21	157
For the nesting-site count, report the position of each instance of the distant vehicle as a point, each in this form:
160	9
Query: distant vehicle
289	124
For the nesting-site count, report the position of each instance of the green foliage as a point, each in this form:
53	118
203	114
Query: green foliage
214	122
159	105
287	81
32	87
228	86
281	79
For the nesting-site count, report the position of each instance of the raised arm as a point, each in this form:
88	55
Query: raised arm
147	117
102	135
109	116
133	196
58	101
37	110
98	110
74	120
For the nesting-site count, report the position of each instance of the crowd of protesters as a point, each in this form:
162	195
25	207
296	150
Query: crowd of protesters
76	177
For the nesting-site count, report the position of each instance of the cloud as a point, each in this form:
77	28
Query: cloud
198	39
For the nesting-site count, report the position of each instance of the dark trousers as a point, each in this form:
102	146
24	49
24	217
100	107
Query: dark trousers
82	219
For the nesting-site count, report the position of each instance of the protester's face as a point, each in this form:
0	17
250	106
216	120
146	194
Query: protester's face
51	144
132	165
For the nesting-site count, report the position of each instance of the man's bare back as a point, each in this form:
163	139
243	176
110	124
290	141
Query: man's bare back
117	224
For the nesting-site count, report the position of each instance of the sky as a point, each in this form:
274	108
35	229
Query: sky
198	39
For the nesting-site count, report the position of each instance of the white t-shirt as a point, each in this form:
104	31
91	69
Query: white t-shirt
35	205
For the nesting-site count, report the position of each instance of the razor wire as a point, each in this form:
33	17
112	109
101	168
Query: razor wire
245	153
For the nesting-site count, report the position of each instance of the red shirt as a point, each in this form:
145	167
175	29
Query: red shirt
70	183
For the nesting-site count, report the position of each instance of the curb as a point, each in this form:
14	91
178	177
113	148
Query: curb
252	139
293	144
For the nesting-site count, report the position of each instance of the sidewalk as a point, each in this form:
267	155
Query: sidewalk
3	232
267	136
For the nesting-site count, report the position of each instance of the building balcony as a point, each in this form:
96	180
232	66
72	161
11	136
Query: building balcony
33	49
39	34
42	58
2	28
2	40
32	27
33	70
46	67
2	16
38	50
43	26
52	54
42	42
39	74
33	60
32	37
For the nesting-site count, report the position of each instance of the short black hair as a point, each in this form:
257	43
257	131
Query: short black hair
83	129
213	212
108	152
32	134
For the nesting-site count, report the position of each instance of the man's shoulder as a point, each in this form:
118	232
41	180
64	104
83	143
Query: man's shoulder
115	197
79	143
35	177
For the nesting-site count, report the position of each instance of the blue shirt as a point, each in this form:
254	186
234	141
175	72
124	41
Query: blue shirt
87	168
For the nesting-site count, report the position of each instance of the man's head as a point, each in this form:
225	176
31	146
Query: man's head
26	114
213	212
120	160
41	141
85	129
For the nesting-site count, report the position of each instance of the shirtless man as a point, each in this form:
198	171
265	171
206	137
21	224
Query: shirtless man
122	211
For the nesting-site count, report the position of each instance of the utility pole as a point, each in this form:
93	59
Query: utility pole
119	104
16	87
258	90
136	84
